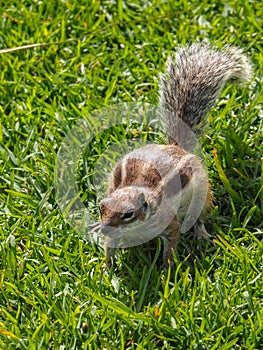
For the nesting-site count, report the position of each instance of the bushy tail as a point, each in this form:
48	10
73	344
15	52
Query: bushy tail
193	81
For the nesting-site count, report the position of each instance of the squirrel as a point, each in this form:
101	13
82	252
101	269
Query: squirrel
154	188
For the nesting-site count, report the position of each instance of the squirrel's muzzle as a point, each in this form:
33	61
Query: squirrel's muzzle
107	229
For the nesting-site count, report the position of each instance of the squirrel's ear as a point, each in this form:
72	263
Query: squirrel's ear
141	199
102	203
101	207
143	203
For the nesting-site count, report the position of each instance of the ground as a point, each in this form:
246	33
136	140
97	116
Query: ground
54	291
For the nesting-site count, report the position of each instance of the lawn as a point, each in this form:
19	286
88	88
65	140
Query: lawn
54	290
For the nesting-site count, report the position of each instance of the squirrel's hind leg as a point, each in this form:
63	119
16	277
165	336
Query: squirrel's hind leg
200	231
199	227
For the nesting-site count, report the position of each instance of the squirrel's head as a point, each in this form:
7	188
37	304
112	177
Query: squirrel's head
124	208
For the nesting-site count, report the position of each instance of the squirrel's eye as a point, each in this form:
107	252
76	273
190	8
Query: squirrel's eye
128	214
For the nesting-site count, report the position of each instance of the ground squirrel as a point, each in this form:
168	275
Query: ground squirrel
153	188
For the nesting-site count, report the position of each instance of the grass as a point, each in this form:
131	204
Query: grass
54	293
